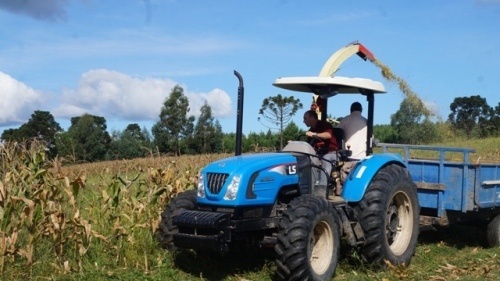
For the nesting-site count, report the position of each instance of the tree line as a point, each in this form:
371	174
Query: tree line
177	132
470	117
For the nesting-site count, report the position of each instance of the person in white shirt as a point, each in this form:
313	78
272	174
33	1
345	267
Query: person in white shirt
354	126
355	129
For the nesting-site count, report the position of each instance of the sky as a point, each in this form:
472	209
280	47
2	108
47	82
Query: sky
120	59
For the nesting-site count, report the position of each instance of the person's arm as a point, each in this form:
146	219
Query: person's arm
322	135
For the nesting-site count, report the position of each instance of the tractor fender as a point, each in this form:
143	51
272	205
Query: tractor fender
362	173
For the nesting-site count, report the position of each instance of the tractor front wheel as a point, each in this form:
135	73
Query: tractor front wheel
183	201
308	240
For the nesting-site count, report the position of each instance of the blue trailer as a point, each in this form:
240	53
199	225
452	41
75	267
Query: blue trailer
376	203
452	189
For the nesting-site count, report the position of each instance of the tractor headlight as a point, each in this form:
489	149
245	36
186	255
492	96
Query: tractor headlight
201	187
232	189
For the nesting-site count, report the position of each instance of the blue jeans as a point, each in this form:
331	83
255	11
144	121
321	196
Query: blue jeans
331	156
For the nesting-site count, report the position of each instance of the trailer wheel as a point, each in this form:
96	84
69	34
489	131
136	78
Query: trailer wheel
183	201
308	240
493	232
389	217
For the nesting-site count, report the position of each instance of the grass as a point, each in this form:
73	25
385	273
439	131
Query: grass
440	255
117	209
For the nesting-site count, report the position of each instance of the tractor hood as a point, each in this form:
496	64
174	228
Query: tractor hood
246	180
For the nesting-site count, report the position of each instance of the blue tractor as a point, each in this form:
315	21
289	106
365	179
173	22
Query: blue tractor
273	199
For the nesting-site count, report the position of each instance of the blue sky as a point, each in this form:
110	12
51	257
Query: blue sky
120	58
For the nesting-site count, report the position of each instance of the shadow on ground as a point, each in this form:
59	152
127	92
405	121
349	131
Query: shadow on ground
214	266
458	236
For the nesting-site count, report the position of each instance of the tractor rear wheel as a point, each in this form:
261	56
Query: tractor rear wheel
389	216
183	201
308	240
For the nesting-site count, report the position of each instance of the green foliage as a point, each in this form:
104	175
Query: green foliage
207	137
228	142
129	144
495	120
473	116
65	146
412	124
174	125
40	127
261	142
293	132
87	139
278	111
385	133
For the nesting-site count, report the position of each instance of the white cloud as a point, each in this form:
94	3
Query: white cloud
18	101
116	95
217	99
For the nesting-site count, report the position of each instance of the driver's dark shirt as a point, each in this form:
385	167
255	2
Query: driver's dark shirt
323	126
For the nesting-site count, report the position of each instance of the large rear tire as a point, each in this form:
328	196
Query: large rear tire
183	201
493	232
389	216
308	240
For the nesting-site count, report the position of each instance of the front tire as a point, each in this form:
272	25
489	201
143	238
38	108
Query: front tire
182	202
493	232
308	240
389	216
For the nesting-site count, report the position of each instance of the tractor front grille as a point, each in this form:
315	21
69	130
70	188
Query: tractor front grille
215	182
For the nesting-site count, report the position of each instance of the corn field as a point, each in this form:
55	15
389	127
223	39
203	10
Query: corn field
97	221
56	219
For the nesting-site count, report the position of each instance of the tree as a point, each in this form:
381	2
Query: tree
41	126
218	138
9	135
278	111
161	138
207	138
129	144
135	132
292	132
261	142
228	142
470	115
495	120
174	125
89	138
412	124
385	133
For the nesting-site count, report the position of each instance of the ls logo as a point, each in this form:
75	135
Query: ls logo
292	170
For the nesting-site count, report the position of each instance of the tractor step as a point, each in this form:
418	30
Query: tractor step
336	199
350	224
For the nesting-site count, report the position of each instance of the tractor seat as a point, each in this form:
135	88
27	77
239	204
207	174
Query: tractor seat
338	133
343	153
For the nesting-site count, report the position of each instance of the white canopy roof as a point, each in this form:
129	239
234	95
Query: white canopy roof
329	86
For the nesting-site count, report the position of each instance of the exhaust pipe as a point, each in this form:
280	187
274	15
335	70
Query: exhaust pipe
239	115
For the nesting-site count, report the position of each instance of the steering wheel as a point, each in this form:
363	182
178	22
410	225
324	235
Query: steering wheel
316	142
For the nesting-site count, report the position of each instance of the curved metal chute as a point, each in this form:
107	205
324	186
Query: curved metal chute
333	63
